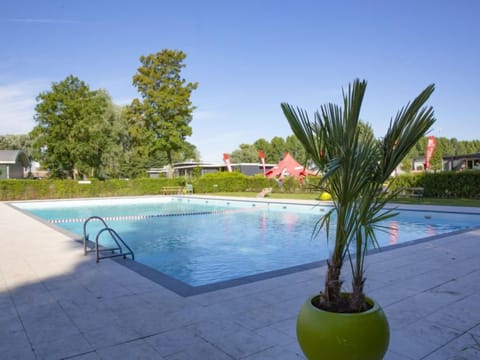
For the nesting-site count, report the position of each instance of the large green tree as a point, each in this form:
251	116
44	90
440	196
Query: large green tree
263	145
436	161
165	109
296	149
246	153
71	131
278	146
115	141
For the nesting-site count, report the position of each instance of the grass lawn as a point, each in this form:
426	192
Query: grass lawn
314	196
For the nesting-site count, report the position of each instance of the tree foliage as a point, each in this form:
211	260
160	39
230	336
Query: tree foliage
436	161
16	142
276	148
246	153
164	112
72	128
114	142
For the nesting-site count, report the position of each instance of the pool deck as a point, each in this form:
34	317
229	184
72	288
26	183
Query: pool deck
56	303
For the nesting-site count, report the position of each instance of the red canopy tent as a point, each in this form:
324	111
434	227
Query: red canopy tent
288	166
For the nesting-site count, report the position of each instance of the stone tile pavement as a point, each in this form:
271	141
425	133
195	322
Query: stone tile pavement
56	304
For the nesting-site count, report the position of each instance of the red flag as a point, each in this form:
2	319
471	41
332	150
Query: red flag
262	159
226	158
432	142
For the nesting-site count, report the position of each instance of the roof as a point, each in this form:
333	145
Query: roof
467	156
13	156
288	167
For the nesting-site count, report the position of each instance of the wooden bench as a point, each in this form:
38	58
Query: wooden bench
166	190
415	192
264	192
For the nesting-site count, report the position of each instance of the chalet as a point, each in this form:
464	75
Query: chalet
462	162
452	163
14	164
189	168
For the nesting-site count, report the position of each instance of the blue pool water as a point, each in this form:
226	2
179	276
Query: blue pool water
199	241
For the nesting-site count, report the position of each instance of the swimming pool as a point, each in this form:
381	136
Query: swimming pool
205	241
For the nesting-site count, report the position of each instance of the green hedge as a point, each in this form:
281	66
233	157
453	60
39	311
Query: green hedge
238	182
210	183
61	189
230	182
445	184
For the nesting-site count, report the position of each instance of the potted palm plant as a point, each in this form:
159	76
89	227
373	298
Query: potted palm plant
356	167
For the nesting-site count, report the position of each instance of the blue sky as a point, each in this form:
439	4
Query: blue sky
249	56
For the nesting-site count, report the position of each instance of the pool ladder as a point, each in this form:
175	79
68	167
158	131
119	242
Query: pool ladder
120	244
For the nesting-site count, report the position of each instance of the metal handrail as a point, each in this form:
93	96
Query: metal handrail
117	240
85	235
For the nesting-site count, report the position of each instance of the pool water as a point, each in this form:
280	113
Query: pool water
199	241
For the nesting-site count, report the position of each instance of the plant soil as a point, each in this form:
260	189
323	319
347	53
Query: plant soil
342	305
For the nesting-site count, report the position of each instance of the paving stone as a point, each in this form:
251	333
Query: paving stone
88	318
202	350
131	350
10	322
275	353
175	341
109	335
88	356
15	345
31	295
260	318
475	331
391	294
165	299
287	327
275	336
392	355
462	315
239	344
402	343
465	347
62	347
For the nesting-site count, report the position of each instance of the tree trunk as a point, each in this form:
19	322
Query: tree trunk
333	285
170	165
358	297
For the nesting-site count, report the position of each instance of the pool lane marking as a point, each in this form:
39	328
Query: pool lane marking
142	217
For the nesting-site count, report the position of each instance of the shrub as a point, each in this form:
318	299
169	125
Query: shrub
445	184
221	182
29	189
55	189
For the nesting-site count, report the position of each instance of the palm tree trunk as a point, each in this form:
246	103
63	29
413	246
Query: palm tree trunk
358	297
333	285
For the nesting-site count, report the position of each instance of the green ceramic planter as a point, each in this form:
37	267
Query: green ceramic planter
326	335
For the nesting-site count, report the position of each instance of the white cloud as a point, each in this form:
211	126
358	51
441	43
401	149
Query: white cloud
17	104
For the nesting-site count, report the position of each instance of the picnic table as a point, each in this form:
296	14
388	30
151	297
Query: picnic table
167	190
415	192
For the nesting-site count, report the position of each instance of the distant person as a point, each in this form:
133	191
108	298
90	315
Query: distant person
280	184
